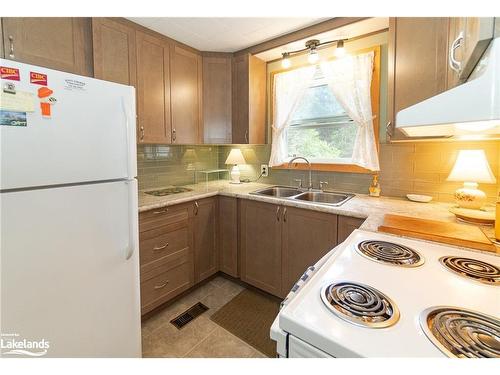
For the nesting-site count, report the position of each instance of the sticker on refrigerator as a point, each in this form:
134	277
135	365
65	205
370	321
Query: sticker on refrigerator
38	78
13	118
9	73
17	101
74	85
46	101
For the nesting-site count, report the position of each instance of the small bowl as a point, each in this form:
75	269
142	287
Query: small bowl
419	198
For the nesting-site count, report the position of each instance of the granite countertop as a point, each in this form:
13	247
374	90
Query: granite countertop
361	206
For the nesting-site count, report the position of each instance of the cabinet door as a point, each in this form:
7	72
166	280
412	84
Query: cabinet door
186	71
61	43
228	235
153	89
249	100
471	35
114	51
216	99
260	236
307	236
205	238
417	64
347	225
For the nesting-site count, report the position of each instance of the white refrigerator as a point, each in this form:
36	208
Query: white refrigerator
69	221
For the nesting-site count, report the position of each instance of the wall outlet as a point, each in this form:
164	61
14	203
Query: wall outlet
264	170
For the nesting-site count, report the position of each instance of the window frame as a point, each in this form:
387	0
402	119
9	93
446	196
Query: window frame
375	102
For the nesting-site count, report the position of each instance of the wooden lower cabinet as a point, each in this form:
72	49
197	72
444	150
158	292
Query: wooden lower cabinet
205	238
166	254
228	235
260	245
307	236
347	225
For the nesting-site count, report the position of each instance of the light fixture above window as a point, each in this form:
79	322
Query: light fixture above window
312	46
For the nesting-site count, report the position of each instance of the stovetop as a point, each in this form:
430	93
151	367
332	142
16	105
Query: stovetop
409	290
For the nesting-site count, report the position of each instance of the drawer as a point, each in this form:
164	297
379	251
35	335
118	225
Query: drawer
164	283
162	245
156	218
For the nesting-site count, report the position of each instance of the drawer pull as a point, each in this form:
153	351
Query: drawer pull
157	248
161	211
162	285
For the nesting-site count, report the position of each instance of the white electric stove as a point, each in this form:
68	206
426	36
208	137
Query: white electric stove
357	304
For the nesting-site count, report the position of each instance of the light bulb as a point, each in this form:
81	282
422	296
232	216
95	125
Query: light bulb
313	57
286	63
340	50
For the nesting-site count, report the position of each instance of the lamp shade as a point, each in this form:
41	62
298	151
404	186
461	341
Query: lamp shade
235	157
472	166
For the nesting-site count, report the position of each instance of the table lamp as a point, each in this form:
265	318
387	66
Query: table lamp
471	168
235	157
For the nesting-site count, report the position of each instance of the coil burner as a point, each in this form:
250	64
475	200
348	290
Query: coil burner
390	253
473	269
462	333
360	304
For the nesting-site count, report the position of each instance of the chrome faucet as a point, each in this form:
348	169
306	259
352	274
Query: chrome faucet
310	171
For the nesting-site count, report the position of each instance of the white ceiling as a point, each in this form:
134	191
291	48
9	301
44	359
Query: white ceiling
224	34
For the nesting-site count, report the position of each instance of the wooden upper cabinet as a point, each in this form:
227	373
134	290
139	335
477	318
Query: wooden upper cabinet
249	100
186	92
417	64
260	245
307	236
468	37
60	43
114	51
205	238
153	89
217	126
228	235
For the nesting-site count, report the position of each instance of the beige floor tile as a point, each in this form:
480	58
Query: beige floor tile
222	344
168	341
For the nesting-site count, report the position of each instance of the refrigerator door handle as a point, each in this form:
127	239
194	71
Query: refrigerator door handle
130	138
132	219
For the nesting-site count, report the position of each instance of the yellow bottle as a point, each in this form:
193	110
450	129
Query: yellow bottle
374	187
497	219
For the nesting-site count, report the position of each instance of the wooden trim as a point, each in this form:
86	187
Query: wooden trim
375	102
328	25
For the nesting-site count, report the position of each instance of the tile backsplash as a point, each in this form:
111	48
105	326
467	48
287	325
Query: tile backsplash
164	165
416	167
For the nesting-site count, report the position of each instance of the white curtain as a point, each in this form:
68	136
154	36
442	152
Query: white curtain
289	88
350	79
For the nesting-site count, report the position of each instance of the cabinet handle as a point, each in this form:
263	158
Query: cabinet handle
157	248
174	135
454	63
162	285
278	213
246	137
196	207
11	51
142	132
161	211
284	214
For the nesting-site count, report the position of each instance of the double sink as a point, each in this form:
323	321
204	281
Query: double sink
328	198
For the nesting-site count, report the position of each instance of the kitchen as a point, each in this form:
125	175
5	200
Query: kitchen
228	187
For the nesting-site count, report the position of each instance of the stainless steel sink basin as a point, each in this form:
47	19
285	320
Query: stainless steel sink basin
324	197
278	191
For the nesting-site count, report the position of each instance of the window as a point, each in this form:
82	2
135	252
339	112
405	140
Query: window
320	129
